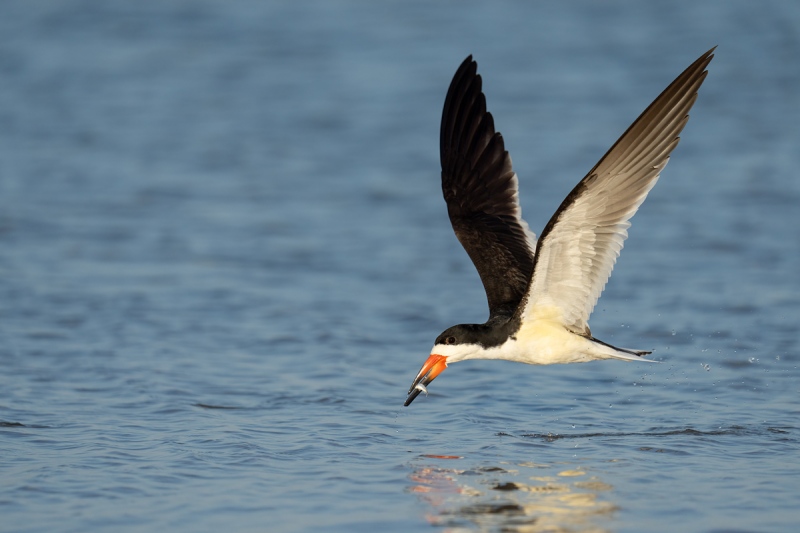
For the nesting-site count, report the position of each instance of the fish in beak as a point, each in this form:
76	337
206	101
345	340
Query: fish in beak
433	366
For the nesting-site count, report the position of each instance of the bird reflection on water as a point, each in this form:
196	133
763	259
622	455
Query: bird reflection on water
526	497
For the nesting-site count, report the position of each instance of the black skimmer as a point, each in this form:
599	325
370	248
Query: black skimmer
541	293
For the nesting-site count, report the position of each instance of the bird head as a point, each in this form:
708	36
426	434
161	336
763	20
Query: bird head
454	344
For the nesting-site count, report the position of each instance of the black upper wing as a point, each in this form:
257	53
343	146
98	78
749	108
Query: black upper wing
480	188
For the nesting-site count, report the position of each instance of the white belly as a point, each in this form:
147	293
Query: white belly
545	342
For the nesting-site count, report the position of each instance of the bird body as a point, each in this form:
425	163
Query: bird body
541	292
541	341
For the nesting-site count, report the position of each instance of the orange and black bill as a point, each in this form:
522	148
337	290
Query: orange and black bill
433	366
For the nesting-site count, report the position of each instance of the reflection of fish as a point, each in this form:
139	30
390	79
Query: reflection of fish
541	293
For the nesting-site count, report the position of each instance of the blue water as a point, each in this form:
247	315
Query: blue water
224	256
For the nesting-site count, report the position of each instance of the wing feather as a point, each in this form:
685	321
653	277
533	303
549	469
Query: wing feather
481	191
580	244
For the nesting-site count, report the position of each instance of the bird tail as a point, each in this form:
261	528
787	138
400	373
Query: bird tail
625	354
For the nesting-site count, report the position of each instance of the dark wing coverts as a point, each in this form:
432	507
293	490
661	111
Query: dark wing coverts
480	188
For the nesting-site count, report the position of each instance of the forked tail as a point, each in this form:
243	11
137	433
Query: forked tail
624	353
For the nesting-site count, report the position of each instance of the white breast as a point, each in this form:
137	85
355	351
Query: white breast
546	342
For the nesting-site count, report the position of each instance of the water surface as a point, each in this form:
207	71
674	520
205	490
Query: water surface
224	255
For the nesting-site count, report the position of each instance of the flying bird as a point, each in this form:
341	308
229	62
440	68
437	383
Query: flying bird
541	293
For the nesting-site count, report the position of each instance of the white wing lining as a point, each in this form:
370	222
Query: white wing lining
580	245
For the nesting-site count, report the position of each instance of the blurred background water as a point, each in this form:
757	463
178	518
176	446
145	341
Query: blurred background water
224	255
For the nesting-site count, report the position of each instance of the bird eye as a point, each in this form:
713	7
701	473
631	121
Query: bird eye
450	340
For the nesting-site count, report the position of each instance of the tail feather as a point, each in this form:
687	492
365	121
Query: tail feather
625	354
